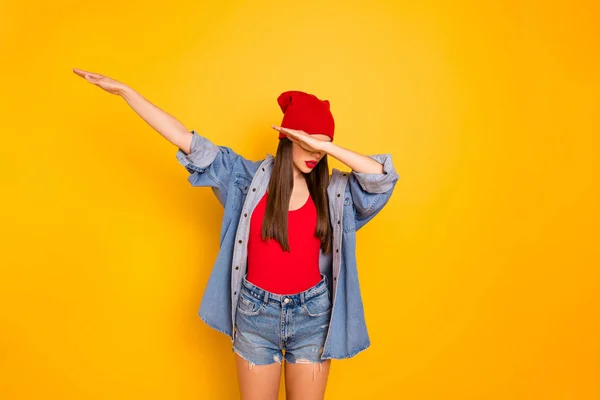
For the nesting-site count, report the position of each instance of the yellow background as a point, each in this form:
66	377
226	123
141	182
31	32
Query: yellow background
480	278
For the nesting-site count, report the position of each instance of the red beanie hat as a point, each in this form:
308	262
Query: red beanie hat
305	112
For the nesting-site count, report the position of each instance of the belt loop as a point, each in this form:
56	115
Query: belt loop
301	297
266	297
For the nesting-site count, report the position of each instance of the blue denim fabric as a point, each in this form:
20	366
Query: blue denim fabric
239	184
268	323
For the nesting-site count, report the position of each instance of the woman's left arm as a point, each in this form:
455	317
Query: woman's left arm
375	174
355	161
371	182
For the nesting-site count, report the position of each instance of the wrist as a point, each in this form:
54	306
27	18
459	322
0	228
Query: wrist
124	91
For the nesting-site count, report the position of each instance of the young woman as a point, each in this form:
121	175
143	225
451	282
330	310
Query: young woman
285	282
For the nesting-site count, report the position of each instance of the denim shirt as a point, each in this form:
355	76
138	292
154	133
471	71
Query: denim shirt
239	184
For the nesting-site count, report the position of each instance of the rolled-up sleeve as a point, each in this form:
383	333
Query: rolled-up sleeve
371	191
378	183
202	154
209	165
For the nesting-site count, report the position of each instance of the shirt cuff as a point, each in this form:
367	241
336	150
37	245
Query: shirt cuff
202	153
378	183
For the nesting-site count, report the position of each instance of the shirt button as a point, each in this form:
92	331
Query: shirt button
254	189
237	267
239	241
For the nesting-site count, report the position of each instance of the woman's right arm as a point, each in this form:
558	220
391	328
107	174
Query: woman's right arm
207	163
162	122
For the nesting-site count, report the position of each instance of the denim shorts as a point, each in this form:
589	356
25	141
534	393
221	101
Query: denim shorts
272	326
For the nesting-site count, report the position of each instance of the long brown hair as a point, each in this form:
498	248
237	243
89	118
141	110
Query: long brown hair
275	222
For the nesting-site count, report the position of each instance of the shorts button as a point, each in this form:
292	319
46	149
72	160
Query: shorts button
286	300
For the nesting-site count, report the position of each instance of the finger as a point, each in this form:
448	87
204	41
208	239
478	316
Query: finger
91	79
93	74
293	139
300	142
279	128
83	73
87	76
285	130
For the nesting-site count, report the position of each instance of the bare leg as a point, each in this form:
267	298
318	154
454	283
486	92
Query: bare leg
258	382
306	380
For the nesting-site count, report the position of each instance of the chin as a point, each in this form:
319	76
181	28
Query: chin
303	168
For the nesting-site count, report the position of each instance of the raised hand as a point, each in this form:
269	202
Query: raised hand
110	85
303	139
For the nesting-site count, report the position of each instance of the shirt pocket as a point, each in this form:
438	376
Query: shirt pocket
241	186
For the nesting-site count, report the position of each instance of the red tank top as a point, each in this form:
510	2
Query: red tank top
276	271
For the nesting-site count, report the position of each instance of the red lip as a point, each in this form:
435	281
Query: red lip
310	164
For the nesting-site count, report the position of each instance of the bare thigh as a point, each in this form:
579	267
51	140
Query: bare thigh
306	381
261	382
